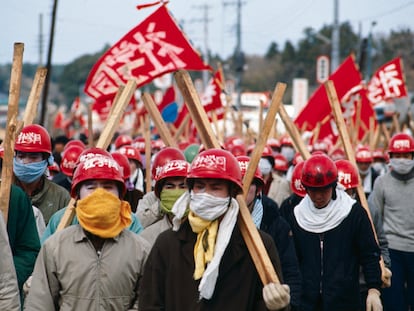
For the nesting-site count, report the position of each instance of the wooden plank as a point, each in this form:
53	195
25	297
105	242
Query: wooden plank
30	111
349	150
249	231
11	126
156	117
293	133
117	110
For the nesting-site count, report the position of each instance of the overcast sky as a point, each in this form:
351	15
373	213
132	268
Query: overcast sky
85	26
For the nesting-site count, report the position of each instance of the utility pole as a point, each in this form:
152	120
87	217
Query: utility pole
205	20
335	38
40	39
239	60
369	53
48	65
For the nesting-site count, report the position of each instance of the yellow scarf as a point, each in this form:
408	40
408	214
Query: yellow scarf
206	239
103	214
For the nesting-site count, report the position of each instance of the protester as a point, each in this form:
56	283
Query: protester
148	210
33	154
348	177
68	163
333	237
393	194
276	186
137	178
265	214
97	264
205	252
169	186
9	292
87	154
368	175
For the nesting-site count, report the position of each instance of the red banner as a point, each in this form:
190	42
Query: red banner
387	82
154	47
318	108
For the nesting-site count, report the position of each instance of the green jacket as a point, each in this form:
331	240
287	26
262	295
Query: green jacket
23	235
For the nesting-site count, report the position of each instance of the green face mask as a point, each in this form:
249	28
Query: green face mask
168	198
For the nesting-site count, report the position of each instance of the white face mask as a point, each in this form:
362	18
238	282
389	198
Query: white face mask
402	166
207	206
288	152
265	166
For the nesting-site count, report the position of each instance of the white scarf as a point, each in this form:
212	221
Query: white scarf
257	213
320	220
209	279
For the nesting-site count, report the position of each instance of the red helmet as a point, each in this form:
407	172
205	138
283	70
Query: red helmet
363	155
139	143
54	168
268	153
273	143
320	145
131	153
244	163
99	167
286	141
379	154
319	171
295	182
123	162
401	143
122	140
92	152
74	142
348	175
164	156
69	160
173	168
216	163
337	154
281	163
236	146
297	158
157	145
250	149
33	138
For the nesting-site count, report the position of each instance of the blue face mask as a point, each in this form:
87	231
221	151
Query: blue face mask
29	172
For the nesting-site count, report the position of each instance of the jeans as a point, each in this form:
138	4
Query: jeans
400	296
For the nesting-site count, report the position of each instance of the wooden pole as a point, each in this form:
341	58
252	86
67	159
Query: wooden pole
33	101
250	234
147	137
10	135
349	151
122	101
90	127
155	114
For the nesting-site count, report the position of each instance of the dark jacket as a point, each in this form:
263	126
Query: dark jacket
168	282
23	235
279	229
330	261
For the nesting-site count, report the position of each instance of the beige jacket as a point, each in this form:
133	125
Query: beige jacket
279	189
70	275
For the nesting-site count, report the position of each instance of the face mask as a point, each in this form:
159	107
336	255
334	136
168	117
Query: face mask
402	166
364	172
288	152
103	214
378	167
168	198
29	172
207	206
265	166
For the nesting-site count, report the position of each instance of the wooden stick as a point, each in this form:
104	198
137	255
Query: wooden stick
249	231
155	114
10	135
182	127
294	133
264	134
90	127
33	101
357	122
117	110
147	136
349	151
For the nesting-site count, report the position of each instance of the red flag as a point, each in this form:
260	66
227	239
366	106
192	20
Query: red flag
387	82
154	47
318	109
211	99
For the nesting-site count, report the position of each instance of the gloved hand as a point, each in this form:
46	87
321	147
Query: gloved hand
27	285
386	277
373	300
276	296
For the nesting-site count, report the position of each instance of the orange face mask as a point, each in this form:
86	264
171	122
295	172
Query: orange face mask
103	214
